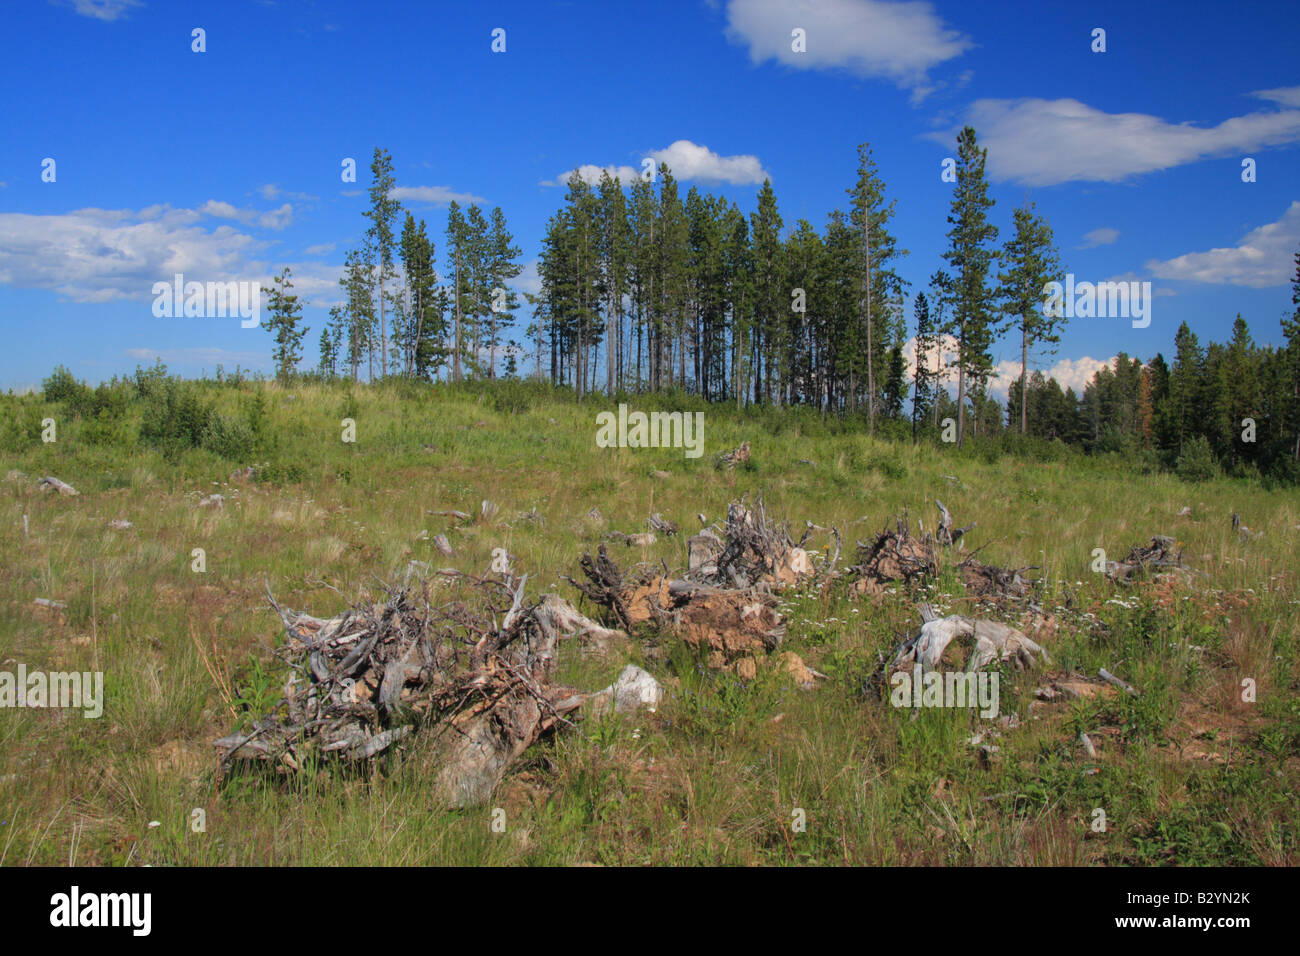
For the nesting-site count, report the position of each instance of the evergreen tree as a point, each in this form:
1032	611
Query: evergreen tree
382	215
502	267
1032	261
971	257
284	322
870	216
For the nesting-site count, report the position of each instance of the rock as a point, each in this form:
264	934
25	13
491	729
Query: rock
793	665
120	524
634	689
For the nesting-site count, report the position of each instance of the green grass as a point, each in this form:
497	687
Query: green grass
1188	773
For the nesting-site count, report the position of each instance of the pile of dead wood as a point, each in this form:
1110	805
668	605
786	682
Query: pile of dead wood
730	459
473	674
1162	554
895	556
723	604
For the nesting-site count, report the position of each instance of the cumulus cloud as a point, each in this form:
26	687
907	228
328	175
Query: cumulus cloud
275	219
1042	142
899	42
324	249
687	160
1104	236
106	255
438	195
1262	258
1069	373
591	174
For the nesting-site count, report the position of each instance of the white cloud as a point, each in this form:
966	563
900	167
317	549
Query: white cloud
1286	95
106	10
324	249
899	42
528	280
1043	142
1104	236
1069	373
591	175
275	219
272	191
1262	258
687	160
439	195
106	255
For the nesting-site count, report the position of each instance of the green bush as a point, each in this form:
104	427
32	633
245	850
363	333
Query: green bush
174	417
231	438
61	386
1197	462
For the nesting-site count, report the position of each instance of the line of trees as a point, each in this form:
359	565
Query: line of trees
644	289
396	317
690	293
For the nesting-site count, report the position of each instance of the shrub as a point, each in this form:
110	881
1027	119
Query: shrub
231	438
174	417
1197	461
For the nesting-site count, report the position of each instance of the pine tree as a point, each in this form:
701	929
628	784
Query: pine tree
971	257
457	246
770	298
924	378
357	282
1291	329
615	249
870	215
284	321
502	267
1032	261
382	215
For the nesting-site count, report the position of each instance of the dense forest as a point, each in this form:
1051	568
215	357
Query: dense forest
643	289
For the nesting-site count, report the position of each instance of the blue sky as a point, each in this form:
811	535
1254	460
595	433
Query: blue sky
226	164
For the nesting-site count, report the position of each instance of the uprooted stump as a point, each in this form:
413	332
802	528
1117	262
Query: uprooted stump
991	642
480	692
732	626
1162	554
895	556
751	551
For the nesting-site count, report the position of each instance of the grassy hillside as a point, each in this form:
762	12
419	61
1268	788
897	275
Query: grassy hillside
1186	772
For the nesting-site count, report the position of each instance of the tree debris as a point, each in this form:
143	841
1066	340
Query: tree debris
992	641
657	523
730	459
478	691
1162	554
54	484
